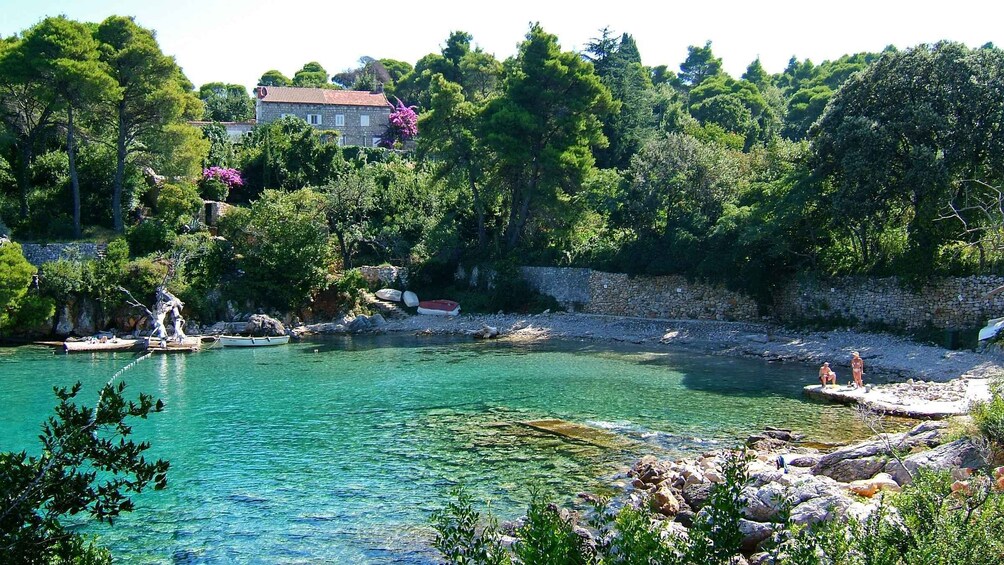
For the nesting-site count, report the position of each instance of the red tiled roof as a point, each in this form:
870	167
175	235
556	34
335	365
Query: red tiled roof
296	95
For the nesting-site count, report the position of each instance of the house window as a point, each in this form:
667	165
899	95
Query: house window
339	120
376	141
341	141
314	119
364	120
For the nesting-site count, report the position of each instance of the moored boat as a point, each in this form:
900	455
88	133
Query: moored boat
389	294
992	328
249	341
97	345
438	307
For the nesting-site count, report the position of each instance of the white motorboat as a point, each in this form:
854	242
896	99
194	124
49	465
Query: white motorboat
248	341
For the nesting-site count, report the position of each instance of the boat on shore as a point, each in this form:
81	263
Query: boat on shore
438	307
103	344
250	341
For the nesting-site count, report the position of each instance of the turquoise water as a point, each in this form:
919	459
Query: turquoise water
338	450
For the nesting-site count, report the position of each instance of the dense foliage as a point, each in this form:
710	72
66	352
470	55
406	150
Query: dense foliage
88	464
873	163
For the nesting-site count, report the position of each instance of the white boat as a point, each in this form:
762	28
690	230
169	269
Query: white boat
389	294
991	329
410	299
246	341
103	344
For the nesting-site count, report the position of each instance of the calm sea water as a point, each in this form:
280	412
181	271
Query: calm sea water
338	450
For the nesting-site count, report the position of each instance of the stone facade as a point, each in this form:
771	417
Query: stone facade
38	253
948	303
352	133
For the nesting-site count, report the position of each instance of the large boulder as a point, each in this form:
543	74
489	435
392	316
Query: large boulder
754	533
864	460
870	487
962	453
264	325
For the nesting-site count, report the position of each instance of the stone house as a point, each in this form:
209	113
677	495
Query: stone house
360	117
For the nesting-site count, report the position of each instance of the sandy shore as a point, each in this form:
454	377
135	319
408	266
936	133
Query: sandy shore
901	364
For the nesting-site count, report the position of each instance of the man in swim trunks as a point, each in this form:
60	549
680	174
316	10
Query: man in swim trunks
826	375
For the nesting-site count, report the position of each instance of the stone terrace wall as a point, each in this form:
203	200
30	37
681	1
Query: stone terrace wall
666	297
569	286
38	253
949	303
386	275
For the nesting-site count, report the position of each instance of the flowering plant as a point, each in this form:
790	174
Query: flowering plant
217	181
403	125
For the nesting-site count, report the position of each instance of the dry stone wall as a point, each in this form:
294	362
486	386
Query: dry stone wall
946	303
39	253
666	297
949	303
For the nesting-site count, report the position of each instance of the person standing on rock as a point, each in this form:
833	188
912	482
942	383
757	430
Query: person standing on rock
826	375
857	369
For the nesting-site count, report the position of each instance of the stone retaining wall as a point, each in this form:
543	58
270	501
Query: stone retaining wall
949	303
38	253
385	275
666	297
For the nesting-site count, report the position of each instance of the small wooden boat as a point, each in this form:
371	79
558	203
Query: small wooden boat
389	294
247	341
188	345
98	345
410	299
438	308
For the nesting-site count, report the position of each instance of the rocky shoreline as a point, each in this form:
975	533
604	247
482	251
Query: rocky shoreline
814	486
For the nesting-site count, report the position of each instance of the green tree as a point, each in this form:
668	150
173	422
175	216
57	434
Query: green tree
543	128
66	56
29	110
699	65
19	307
449	136
226	102
281	248
899	136
311	75
274	78
350	201
88	464
153	94
756	74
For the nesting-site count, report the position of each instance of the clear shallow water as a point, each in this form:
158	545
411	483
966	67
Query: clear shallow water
338	450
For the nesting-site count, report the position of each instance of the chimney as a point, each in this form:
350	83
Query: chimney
261	92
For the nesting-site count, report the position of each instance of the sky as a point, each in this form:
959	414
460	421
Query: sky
237	41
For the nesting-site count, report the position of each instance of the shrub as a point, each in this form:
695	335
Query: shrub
149	236
179	204
460	537
989	418
217	182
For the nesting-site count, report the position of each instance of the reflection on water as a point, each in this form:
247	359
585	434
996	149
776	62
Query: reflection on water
337	450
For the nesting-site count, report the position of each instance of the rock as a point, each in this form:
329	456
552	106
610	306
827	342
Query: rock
263	325
869	487
376	320
763	503
864	460
665	501
754	533
957	454
410	299
760	558
696	495
486	332
803	460
685	517
65	325
359	323
818	509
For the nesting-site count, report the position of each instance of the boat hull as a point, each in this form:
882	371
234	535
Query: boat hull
242	341
99	346
438	308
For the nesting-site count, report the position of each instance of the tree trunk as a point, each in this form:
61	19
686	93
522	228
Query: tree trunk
479	210
71	151
23	179
119	173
